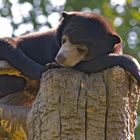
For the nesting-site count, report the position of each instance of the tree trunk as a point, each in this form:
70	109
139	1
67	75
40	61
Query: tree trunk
71	105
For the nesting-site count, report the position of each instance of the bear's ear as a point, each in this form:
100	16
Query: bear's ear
115	39
65	14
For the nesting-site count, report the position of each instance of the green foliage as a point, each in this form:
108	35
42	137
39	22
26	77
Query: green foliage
137	133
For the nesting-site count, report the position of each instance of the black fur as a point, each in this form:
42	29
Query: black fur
29	53
10	84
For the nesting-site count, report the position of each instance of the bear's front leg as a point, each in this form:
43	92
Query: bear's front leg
10	84
107	61
16	57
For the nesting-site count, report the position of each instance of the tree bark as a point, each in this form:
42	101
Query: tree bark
72	105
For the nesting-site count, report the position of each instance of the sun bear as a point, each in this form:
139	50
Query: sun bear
83	40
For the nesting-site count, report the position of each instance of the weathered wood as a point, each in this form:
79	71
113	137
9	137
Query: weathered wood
71	105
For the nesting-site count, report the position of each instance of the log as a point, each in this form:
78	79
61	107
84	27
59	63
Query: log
72	105
14	107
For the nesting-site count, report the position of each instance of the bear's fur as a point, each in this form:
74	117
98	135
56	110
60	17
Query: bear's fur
84	41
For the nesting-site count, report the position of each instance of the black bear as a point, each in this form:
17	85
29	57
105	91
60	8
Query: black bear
84	41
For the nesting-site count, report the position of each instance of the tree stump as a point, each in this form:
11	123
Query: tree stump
71	105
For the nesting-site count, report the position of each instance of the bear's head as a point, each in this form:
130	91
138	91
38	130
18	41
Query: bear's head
85	36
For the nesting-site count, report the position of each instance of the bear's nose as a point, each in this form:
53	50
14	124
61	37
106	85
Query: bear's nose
60	58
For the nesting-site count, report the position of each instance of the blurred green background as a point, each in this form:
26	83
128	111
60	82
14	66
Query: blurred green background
21	16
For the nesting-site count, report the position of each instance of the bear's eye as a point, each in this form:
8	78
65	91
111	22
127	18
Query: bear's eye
81	50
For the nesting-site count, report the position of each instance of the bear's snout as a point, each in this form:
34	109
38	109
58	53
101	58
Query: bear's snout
60	58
